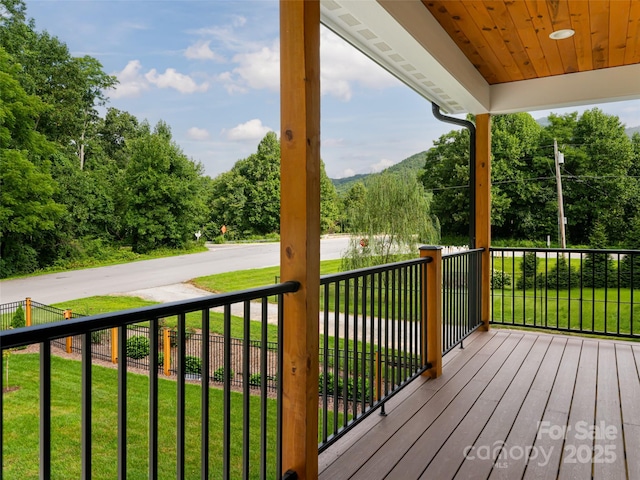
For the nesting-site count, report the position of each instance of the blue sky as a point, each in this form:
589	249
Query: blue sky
210	70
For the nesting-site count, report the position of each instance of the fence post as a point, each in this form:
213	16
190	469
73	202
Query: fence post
68	343
166	335
27	307
114	345
431	342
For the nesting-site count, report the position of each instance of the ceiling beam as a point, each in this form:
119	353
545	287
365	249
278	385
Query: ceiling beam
582	88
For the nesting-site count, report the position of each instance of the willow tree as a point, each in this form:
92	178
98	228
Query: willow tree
392	219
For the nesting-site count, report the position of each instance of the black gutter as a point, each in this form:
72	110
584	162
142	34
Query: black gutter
472	166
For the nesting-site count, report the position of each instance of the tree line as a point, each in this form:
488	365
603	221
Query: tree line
77	184
600	179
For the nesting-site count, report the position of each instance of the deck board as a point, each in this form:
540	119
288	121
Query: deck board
496	392
376	436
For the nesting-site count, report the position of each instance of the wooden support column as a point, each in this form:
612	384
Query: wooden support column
300	230
432	311
483	210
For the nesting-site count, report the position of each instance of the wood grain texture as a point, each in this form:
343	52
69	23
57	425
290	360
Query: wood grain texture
300	230
509	40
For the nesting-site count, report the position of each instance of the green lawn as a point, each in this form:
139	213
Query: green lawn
21	433
596	310
258	277
104	304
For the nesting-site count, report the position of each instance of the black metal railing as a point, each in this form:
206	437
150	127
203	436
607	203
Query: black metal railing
371	318
582	291
461	283
256	426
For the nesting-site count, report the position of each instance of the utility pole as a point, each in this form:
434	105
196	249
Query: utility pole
556	154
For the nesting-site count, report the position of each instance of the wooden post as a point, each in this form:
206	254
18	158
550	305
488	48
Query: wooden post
114	345
27	307
300	230
68	343
166	335
432	311
483	211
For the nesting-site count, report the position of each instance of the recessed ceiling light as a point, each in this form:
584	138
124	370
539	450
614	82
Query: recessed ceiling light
560	34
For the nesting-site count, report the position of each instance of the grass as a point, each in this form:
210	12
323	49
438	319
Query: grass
596	310
253	278
21	425
104	304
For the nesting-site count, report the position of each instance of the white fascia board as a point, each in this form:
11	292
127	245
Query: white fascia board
405	39
570	90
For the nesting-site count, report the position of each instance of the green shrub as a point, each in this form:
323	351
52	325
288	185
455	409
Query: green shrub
97	336
160	359
137	347
630	271
218	375
598	271
18	319
561	275
192	365
500	279
255	379
528	268
351	387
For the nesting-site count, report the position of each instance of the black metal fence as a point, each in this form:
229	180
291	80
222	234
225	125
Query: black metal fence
256	426
582	291
28	312
371	333
461	283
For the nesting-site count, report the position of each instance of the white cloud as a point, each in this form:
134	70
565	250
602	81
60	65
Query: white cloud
381	165
251	130
259	69
347	172
195	133
201	50
343	68
173	79
131	82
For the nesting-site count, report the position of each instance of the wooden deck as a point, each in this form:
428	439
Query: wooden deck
510	405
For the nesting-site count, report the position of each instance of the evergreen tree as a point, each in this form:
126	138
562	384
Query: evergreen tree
598	270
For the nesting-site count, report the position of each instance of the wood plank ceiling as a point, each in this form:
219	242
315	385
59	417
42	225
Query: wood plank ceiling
508	41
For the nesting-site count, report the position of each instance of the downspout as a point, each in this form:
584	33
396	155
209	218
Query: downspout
472	166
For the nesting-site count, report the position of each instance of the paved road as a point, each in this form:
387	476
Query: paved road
60	287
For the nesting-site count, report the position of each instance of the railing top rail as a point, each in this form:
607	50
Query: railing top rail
336	277
563	250
464	252
39	333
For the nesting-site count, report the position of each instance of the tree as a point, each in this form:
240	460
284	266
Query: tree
247	198
329	203
165	203
599	189
598	270
70	87
630	264
446	174
390	222
27	212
